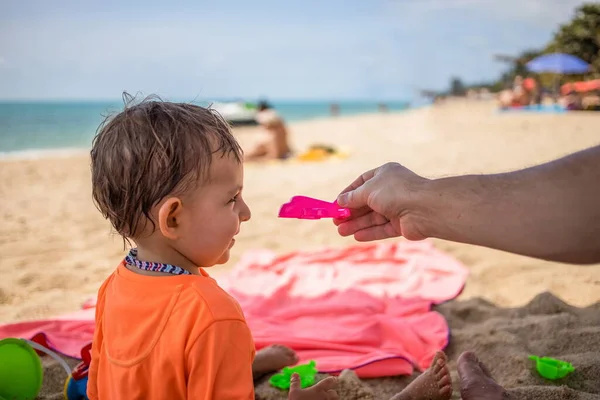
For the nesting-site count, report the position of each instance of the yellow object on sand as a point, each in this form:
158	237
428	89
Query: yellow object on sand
315	153
320	153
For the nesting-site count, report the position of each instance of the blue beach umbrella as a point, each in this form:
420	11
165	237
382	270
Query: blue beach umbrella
558	63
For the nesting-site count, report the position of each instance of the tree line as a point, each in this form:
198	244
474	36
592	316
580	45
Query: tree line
579	37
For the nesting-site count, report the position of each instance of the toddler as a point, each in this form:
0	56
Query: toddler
169	178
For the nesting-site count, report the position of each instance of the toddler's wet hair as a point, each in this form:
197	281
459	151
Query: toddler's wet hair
150	150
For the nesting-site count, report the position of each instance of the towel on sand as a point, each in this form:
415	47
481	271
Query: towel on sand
367	308
411	270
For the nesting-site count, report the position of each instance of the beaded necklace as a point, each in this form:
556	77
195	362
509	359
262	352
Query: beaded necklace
131	259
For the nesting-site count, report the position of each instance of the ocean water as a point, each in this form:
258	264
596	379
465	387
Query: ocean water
36	128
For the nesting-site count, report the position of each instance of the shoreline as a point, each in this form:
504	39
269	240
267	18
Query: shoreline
39	154
65	152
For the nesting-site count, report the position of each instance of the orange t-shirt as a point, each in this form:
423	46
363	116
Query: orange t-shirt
169	337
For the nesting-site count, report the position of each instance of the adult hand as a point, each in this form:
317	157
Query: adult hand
385	202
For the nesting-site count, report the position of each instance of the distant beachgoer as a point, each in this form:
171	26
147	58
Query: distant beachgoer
572	101
505	98
334	109
276	147
517	84
521	92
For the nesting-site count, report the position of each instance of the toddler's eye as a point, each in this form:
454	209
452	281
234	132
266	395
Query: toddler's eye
234	198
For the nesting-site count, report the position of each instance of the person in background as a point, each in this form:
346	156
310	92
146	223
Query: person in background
334	109
276	147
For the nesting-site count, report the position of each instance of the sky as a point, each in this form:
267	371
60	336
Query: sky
278	49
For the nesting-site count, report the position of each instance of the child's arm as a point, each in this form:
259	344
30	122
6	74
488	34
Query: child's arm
92	387
92	384
219	363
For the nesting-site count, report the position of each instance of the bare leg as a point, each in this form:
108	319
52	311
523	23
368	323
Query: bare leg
433	384
260	151
476	383
272	359
281	148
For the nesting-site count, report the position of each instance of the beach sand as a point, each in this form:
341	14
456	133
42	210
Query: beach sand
56	248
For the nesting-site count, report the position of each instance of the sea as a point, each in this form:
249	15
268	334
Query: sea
37	129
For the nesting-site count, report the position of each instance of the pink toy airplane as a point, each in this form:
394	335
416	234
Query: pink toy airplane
303	207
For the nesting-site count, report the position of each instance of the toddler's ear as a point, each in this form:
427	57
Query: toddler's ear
168	215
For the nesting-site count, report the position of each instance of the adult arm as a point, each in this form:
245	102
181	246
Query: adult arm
550	211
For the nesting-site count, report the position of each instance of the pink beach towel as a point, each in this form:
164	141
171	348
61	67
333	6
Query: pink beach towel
360	307
406	269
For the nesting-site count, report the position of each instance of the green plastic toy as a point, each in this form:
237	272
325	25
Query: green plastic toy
21	372
307	374
551	368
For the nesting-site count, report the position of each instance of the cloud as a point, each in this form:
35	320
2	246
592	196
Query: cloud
547	13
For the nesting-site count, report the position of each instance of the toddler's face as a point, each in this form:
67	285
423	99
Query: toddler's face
213	213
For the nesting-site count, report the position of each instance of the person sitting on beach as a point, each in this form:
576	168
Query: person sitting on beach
523	93
572	101
277	146
169	177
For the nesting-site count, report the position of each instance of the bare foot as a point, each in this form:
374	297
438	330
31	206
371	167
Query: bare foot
476	383
433	384
323	390
272	359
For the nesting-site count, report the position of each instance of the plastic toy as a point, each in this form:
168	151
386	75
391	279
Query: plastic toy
307	374
303	207
76	383
21	371
551	368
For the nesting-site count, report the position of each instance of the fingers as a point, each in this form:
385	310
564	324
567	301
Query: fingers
356	198
358	182
354	215
367	220
295	383
356	195
376	233
331	395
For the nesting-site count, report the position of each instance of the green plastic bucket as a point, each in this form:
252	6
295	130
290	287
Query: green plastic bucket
21	371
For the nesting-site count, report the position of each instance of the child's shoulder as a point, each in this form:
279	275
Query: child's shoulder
106	284
207	294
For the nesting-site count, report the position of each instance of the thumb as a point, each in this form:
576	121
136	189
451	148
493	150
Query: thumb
356	198
295	383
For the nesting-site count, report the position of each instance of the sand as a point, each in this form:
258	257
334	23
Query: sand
56	248
503	339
